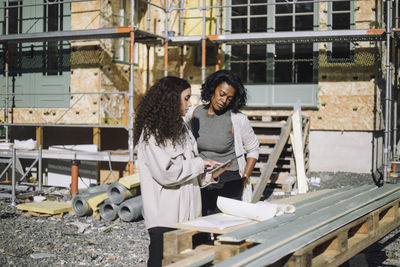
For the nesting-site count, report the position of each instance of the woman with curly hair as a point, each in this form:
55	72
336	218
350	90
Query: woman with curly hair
223	132
171	170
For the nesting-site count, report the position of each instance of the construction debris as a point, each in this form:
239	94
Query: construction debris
46	207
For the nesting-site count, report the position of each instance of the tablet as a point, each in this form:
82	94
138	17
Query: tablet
223	164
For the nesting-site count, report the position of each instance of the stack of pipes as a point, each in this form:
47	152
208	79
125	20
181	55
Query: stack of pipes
120	199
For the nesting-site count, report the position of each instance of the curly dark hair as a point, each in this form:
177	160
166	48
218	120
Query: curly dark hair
158	113
218	77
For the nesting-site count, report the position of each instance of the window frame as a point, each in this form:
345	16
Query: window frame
329	50
269	93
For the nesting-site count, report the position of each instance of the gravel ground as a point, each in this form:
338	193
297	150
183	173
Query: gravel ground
82	241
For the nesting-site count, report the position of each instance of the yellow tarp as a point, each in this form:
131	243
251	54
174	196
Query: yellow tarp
49	207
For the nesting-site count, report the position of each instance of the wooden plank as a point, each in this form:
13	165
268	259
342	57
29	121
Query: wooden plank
262	124
297	143
214	230
39	137
367	234
97	137
266	173
49	207
267	139
197	258
224	251
294	236
177	241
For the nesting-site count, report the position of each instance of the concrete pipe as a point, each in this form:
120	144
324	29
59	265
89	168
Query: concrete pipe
117	193
80	201
131	209
108	210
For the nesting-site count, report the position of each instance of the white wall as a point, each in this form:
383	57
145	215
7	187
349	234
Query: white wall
333	151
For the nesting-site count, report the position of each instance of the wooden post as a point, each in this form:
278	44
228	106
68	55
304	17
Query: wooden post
39	137
97	142
97	137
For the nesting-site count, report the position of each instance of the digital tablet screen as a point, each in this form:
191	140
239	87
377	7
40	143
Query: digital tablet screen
223	165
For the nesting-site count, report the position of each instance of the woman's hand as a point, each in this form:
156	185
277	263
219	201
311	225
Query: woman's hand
216	174
210	164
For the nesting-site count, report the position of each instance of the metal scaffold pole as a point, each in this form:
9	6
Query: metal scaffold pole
387	149
131	87
396	84
166	38
203	45
6	74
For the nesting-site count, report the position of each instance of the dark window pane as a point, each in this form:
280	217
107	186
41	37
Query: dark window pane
341	5
304	7
341	21
304	72
260	9
13	18
283	24
341	50
241	10
257	72
283	72
303	51
258	52
52	58
241	70
283	51
13	48
282	7
239	25
304	23
52	17
239	52
258	24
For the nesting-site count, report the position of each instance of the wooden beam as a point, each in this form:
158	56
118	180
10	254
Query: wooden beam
97	137
39	137
298	149
272	160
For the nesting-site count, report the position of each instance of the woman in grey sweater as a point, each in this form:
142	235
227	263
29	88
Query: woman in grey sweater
171	170
223	132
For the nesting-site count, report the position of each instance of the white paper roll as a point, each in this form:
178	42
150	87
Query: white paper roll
259	211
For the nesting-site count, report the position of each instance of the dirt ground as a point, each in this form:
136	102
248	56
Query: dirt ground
82	241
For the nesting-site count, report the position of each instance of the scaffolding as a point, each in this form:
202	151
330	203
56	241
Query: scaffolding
143	34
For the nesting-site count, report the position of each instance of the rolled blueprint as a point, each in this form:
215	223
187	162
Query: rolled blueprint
259	211
131	209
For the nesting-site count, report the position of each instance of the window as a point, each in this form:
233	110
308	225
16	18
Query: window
341	19
249	61
273	63
53	51
14	27
294	62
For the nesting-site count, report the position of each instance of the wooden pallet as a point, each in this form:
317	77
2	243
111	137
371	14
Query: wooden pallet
179	250
329	241
346	242
268	130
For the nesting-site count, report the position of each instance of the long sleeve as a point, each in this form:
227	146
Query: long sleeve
168	165
249	139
